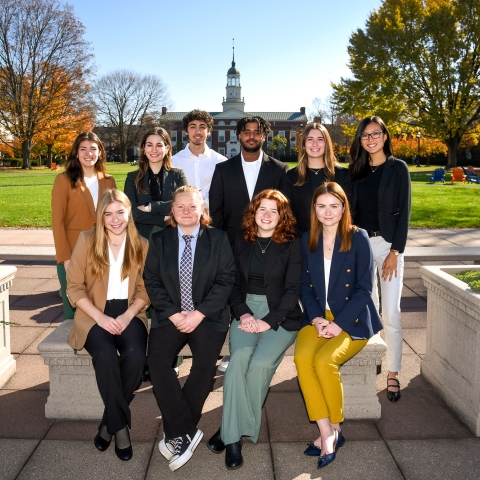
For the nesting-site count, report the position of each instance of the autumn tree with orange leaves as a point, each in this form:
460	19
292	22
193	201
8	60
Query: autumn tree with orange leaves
44	61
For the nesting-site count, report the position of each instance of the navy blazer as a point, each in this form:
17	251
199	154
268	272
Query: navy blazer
212	281
349	288
145	221
228	196
282	280
394	203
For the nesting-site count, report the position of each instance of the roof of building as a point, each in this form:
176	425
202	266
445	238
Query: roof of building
233	113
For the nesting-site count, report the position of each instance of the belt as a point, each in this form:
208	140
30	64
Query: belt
373	234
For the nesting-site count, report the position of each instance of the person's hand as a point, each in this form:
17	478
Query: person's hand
177	317
109	324
248	323
190	321
141	207
331	330
66	263
123	320
389	267
262	325
319	323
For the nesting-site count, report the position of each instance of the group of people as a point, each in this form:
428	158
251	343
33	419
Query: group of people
206	246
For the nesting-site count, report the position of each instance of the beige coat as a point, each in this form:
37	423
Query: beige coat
82	284
73	212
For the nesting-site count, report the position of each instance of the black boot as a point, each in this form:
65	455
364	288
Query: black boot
233	455
215	444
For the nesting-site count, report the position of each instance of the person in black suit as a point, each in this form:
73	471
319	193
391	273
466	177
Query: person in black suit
339	314
381	205
316	164
265	304
189	275
150	188
237	180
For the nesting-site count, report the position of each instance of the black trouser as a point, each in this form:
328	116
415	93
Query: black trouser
182	408
118	375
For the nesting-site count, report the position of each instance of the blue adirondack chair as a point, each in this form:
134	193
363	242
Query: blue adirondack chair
473	178
438	175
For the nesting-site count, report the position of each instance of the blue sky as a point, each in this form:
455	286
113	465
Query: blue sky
287	54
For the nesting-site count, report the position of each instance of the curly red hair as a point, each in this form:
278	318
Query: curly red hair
285	231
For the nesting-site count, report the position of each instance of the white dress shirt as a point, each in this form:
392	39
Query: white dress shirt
117	289
251	171
92	185
198	170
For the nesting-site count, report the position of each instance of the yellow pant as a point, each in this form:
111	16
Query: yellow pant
318	361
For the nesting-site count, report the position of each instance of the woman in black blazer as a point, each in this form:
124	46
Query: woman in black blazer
264	302
339	314
316	164
381	204
150	188
189	275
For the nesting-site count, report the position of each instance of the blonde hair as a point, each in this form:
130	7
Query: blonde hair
328	158
133	246
204	217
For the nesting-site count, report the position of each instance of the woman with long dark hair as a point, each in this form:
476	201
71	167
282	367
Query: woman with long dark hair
75	195
105	283
381	205
339	314
264	303
151	187
316	164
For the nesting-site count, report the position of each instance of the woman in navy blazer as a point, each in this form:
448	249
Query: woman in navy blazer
339	314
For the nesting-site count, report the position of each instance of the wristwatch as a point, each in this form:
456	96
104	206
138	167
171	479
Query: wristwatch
395	252
148	208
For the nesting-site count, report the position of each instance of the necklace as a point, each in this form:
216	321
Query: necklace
315	171
264	249
325	245
374	168
115	244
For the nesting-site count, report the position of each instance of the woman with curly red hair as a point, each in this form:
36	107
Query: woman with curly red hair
264	302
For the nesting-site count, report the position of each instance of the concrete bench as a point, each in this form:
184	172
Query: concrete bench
74	393
440	254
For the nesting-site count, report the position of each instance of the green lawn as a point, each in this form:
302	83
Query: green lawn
25	198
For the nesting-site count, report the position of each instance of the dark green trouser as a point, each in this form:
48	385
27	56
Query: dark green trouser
68	310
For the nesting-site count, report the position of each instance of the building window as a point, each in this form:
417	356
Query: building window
281	134
221	135
173	136
233	136
184	137
221	122
233	122
221	151
270	137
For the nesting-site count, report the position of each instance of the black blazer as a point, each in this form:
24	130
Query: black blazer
228	196
213	277
283	279
145	221
394	203
301	197
349	287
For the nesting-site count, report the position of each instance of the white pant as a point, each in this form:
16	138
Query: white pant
391	293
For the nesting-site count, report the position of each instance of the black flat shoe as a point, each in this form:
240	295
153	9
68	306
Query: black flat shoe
215	444
125	453
313	451
393	396
233	455
100	443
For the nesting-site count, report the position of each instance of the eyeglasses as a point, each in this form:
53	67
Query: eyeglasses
374	135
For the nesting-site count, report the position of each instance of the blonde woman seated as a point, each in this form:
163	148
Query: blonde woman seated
339	314
105	284
264	301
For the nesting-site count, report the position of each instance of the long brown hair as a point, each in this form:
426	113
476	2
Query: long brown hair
73	167
143	160
204	217
133	246
345	228
285	230
328	157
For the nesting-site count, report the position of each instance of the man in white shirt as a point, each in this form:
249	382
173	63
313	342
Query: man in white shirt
197	160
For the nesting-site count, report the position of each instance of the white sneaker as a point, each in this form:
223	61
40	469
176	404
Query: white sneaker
167	448
224	364
184	448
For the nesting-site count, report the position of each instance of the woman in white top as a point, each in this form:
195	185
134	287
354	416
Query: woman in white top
105	284
75	195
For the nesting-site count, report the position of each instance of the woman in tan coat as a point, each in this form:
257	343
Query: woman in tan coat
75	195
105	284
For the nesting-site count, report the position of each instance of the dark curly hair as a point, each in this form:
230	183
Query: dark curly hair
263	125
200	115
284	232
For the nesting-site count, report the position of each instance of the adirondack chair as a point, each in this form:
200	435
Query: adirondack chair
472	178
438	175
458	175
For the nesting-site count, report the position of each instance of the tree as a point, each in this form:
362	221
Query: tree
417	62
277	144
125	101
42	55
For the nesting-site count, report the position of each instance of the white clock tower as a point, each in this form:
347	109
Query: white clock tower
233	98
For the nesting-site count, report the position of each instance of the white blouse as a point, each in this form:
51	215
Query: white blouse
92	184
327	265
117	289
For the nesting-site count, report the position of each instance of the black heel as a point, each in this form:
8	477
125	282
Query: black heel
100	443
125	453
